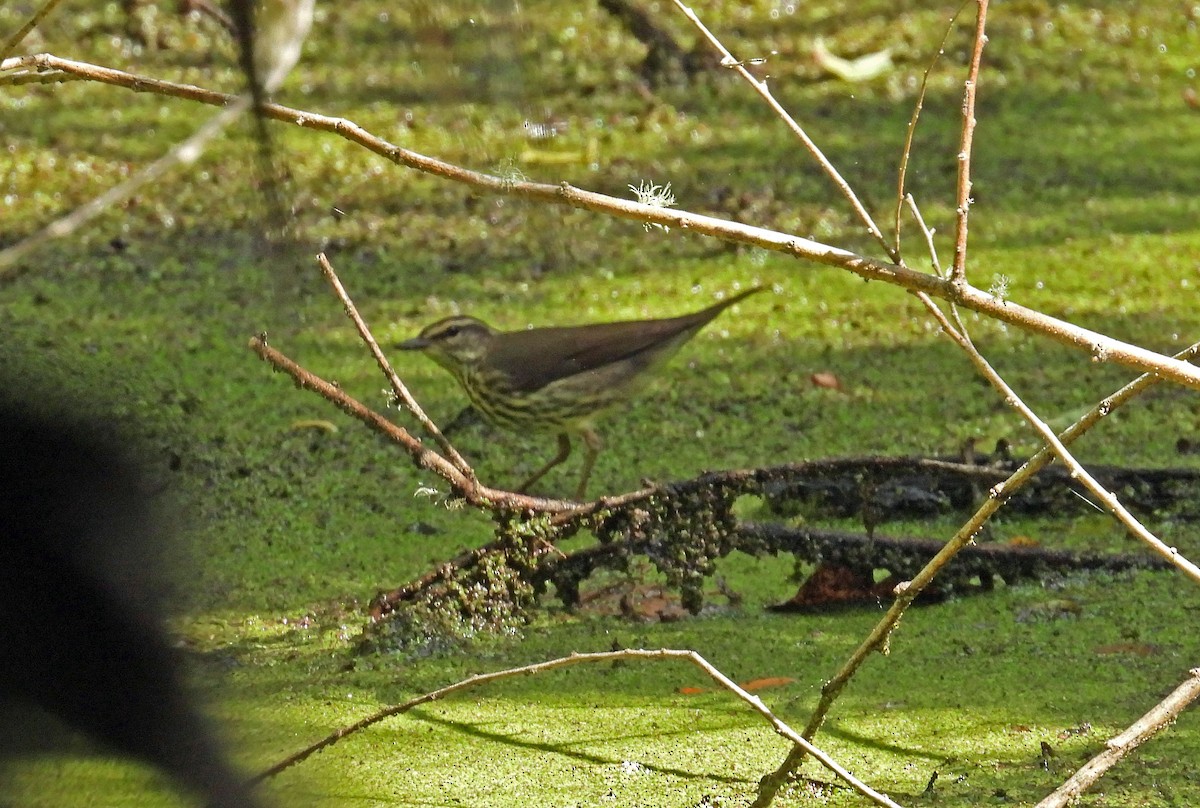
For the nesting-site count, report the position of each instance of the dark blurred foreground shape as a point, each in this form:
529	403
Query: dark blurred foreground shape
80	630
81	635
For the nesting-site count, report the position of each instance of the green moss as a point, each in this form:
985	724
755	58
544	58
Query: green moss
1085	189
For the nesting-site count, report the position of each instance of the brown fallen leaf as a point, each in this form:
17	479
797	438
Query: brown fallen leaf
832	585
755	685
827	380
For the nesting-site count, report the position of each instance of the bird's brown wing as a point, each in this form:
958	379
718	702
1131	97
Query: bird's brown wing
540	356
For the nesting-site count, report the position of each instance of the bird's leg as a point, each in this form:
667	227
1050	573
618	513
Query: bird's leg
592	445
564	451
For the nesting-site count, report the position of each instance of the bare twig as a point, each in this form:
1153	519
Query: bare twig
958	270
1101	347
902	174
660	654
29	25
398	387
760	87
279	34
927	232
1078	472
19	76
877	640
181	154
424	457
1145	728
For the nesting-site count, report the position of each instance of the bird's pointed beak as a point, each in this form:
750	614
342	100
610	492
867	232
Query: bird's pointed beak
414	344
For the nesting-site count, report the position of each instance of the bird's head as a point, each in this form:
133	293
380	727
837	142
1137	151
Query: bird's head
454	343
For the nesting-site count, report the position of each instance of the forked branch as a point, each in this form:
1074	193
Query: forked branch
878	639
1052	441
1101	347
760	86
399	389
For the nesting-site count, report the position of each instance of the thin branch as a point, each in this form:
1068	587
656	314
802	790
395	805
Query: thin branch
877	640
1145	728
660	654
181	154
902	174
424	457
17	78
398	387
1078	472
1101	347
278	36
760	87
29	25
927	232
958	270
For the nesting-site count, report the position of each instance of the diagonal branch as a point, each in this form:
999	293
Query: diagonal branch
760	87
22	32
183	153
906	593
1101	347
1078	472
464	486
902	194
399	389
659	654
1115	749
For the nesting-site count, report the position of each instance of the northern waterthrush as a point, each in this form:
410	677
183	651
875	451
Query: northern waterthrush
556	379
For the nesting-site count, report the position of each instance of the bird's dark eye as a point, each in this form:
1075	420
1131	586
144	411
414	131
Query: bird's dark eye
452	331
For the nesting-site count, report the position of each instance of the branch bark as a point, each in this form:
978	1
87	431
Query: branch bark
958	270
878	639
1116	749
1102	348
660	654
